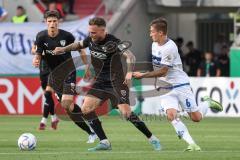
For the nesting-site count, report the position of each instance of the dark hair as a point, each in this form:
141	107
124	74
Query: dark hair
160	24
54	13
179	40
190	44
20	7
98	21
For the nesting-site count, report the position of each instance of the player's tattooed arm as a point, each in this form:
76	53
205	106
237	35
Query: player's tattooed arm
130	59
83	56
71	47
84	59
162	72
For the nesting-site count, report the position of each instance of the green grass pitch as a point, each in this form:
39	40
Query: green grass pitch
219	139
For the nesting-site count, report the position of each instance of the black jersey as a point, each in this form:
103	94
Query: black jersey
107	66
46	45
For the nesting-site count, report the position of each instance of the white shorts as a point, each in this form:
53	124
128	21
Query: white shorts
179	97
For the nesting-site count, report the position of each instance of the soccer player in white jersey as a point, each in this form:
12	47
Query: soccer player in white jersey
168	70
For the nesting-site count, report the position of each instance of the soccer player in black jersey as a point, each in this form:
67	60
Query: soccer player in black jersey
48	107
62	70
111	82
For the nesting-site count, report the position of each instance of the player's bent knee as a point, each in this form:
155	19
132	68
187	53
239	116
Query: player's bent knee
66	104
86	110
126	114
125	110
196	117
170	117
171	114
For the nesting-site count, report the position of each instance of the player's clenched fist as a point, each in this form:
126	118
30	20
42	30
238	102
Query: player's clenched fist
138	75
36	60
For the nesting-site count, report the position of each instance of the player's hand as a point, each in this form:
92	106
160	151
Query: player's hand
58	50
138	75
128	78
36	61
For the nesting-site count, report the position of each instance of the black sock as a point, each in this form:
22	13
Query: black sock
76	117
48	103
140	125
96	125
45	111
94	122
51	108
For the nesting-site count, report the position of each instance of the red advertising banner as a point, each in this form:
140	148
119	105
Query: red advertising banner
24	95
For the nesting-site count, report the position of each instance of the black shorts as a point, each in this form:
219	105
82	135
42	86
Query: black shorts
118	94
61	84
44	80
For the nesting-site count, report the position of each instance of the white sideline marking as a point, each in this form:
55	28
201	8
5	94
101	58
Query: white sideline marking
110	152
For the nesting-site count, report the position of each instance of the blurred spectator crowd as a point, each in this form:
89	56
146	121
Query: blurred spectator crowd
205	63
64	7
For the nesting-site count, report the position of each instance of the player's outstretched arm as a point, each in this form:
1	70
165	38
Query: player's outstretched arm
130	59
71	47
162	72
83	56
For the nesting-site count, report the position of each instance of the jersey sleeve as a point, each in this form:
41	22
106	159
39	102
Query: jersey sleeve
71	38
120	47
86	42
167	58
39	44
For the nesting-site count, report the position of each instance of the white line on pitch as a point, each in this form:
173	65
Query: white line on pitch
110	152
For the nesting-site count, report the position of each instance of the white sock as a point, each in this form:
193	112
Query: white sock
44	120
153	138
53	117
105	141
203	108
182	131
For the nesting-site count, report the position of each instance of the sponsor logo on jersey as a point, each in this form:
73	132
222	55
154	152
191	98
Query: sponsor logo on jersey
46	44
49	52
156	60
99	55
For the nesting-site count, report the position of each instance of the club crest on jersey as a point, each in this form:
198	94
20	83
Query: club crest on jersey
168	58
123	92
63	42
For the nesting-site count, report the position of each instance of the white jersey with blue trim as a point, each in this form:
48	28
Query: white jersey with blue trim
167	55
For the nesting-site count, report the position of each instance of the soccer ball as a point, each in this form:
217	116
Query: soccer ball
27	142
